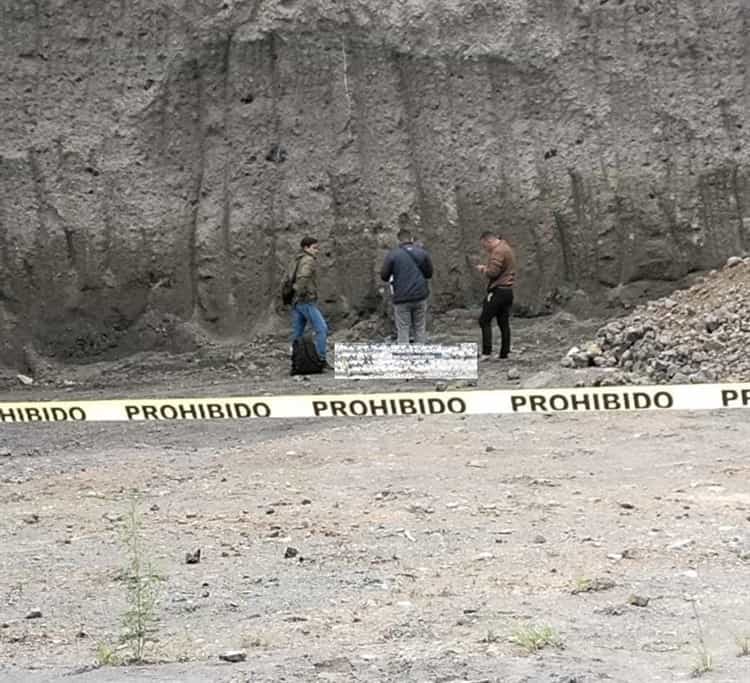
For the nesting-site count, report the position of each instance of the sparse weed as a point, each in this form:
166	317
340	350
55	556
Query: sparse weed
106	656
534	638
139	620
704	663
584	585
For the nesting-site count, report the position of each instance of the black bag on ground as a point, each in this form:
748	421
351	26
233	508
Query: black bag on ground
305	359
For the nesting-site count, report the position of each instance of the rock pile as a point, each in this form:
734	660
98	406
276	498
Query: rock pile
700	334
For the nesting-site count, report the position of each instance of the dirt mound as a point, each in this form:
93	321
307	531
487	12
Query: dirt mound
695	335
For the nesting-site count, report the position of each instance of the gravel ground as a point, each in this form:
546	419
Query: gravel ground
426	549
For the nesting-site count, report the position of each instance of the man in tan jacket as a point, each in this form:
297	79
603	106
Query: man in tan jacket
500	271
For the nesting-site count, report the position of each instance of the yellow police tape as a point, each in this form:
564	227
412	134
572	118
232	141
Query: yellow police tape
581	400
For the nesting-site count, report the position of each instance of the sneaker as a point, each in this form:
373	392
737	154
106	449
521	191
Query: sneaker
485	357
501	356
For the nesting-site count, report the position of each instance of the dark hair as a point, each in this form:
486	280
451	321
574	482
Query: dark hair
307	242
404	235
487	235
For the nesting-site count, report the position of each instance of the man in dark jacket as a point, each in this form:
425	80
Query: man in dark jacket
410	267
303	272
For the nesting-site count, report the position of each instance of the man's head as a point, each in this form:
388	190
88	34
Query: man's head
404	235
310	245
488	240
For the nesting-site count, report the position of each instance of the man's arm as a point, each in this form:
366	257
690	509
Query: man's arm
387	270
495	265
427	266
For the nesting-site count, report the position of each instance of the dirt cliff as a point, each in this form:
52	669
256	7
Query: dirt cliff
160	159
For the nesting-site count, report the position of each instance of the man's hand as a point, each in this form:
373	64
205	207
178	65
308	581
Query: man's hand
482	269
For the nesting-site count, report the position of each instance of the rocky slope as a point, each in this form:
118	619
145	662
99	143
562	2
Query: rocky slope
700	334
163	157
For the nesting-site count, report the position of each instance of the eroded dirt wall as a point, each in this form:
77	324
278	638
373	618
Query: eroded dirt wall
159	161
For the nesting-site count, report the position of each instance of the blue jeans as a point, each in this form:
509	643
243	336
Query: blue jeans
310	313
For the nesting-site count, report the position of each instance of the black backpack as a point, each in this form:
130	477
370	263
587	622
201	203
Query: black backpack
305	359
287	287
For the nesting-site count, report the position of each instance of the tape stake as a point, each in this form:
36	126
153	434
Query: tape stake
497	402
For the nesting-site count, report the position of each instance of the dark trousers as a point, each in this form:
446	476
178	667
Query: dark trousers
497	305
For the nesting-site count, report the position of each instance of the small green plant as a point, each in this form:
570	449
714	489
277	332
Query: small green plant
534	638
743	643
139	620
584	585
106	656
704	662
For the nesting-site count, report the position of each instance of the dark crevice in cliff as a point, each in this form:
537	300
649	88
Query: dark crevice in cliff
349	123
623	240
37	28
711	246
580	260
69	247
567	258
666	203
449	211
275	170
508	102
197	184
42	237
226	212
540	265
163	99
48	214
742	237
357	115
5	246
399	64
668	210
107	203
746	55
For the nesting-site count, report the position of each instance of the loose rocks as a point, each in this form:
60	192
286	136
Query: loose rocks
194	557
696	335
233	656
638	600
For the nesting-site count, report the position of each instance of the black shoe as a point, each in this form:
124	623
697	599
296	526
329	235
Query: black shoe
501	356
327	367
